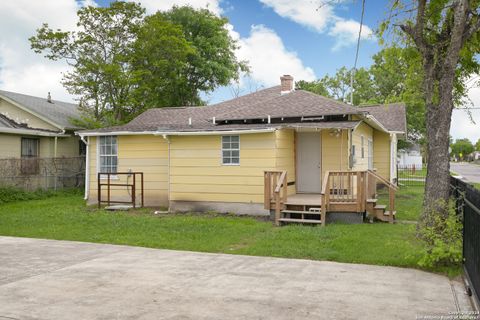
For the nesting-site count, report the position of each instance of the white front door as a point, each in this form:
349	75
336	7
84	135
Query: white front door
309	172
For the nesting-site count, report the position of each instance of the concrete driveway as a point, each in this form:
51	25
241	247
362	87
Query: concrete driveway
470	172
47	279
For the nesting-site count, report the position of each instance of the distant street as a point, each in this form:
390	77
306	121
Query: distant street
470	172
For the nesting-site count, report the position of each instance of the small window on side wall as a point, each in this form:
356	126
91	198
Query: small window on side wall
30	149
108	157
231	150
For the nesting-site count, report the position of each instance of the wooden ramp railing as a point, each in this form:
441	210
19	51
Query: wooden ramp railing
275	191
373	180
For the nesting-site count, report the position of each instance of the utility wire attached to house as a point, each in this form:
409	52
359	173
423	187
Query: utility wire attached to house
352	75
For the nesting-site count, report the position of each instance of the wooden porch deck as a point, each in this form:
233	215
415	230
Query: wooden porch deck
342	191
305	199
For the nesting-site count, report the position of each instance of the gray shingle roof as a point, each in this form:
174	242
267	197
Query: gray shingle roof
256	105
58	112
294	104
392	116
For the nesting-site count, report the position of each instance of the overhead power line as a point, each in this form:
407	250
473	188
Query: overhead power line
356	53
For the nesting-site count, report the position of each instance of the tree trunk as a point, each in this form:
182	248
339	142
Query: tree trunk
437	186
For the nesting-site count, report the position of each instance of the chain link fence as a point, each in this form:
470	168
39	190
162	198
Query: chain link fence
42	173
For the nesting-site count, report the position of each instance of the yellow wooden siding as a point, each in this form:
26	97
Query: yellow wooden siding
20	115
9	146
365	131
285	155
381	153
334	151
197	173
143	153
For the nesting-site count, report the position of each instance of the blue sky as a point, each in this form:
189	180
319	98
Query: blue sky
299	37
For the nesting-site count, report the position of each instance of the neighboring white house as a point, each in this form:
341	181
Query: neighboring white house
410	157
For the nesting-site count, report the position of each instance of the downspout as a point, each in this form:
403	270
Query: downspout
168	170
87	166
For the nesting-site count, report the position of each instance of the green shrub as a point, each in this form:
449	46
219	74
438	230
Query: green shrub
442	239
10	194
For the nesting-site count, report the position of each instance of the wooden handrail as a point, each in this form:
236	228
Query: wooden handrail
276	189
281	181
385	181
325	182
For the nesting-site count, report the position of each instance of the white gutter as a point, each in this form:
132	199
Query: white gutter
209	133
33	132
113	133
87	167
377	123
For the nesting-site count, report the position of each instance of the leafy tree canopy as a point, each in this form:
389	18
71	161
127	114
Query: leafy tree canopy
124	62
394	76
462	148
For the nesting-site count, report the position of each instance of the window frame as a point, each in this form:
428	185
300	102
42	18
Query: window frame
99	156
30	164
229	150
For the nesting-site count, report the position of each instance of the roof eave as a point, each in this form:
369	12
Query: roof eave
15	103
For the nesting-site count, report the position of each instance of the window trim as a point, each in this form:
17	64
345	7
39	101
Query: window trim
104	177
221	150
34	159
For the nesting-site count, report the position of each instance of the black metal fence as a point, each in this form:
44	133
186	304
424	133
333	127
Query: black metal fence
42	173
467	204
411	175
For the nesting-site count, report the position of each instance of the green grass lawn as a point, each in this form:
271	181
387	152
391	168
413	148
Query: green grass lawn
65	217
419	173
408	201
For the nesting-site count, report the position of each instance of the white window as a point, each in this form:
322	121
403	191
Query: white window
108	157
231	150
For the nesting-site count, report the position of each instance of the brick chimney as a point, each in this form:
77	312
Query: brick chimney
286	82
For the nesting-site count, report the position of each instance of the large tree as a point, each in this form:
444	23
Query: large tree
213	63
445	34
124	62
99	54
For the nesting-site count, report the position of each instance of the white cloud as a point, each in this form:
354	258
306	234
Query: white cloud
268	58
345	33
320	16
21	69
313	14
153	6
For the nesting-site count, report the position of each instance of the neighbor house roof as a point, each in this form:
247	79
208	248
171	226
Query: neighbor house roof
249	112
392	116
57	113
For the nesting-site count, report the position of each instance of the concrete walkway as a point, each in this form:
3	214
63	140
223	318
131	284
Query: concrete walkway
47	279
470	172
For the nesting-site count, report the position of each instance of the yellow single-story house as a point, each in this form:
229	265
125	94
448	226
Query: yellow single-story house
230	157
37	127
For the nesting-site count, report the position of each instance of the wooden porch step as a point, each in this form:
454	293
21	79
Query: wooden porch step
301	212
300	220
387	213
372	200
380	207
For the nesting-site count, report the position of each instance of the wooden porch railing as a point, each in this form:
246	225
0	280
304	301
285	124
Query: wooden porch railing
275	191
372	183
345	188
